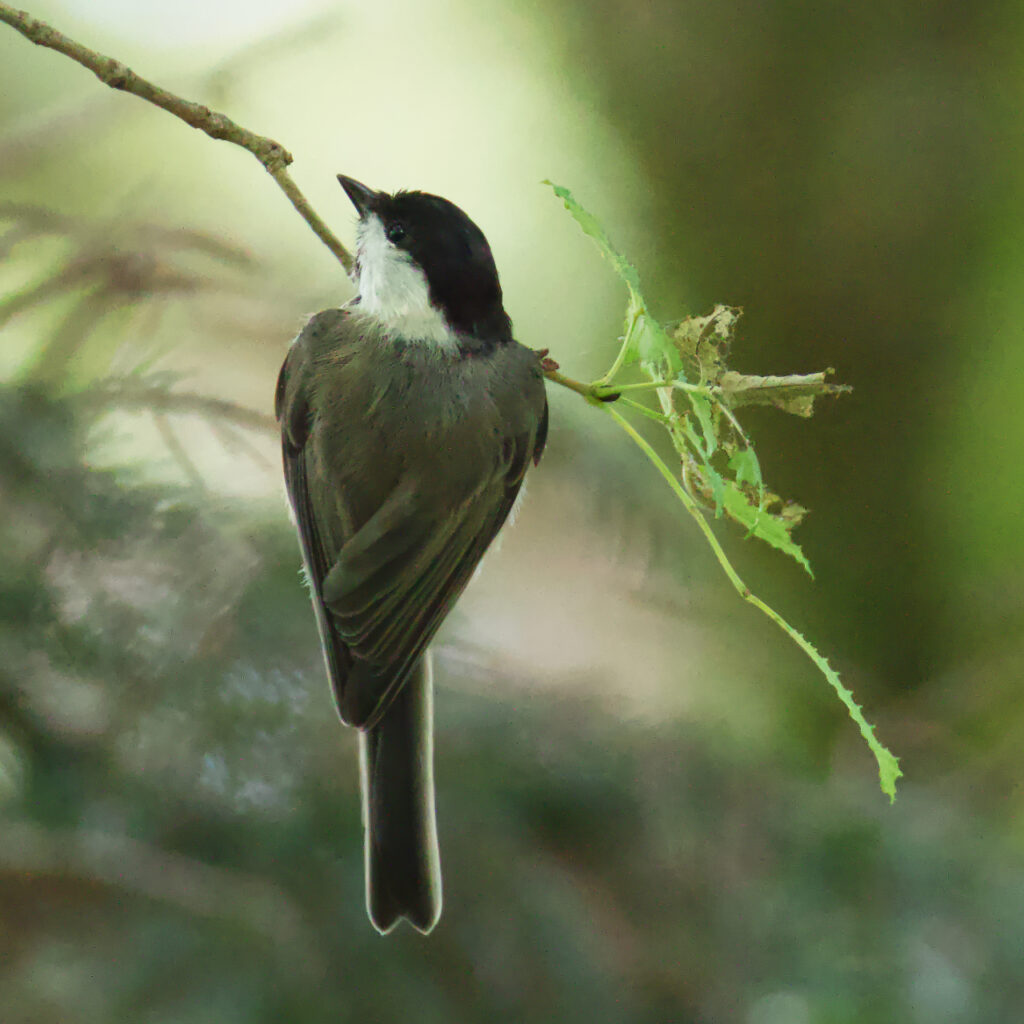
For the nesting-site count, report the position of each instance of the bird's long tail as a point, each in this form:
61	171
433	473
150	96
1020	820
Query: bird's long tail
403	868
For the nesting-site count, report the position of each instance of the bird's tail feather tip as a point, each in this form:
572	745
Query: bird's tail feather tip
386	912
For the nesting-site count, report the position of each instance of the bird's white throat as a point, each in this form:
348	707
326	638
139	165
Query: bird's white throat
394	292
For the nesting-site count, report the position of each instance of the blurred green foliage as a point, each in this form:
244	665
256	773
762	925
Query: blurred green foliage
181	826
179	822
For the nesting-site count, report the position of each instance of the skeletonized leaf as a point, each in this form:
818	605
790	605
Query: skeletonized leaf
704	341
794	393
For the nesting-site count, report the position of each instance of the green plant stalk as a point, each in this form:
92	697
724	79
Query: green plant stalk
627	341
604	384
888	765
644	411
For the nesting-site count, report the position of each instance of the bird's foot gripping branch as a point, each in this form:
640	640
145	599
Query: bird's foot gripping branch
683	367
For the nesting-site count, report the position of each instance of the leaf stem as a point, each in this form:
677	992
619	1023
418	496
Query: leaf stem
653	385
644	411
645	385
586	390
636	315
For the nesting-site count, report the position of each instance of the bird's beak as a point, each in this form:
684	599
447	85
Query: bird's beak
362	197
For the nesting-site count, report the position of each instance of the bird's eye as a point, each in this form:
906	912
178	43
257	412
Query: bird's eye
395	232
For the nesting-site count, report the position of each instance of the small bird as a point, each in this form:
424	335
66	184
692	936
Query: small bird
408	420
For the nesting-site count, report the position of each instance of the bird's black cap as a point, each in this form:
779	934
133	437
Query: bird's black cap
451	250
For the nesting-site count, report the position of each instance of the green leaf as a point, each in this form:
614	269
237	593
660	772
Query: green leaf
718	486
662	355
702	410
696	440
770	528
632	328
888	768
645	339
704	341
593	228
888	764
648	344
746	468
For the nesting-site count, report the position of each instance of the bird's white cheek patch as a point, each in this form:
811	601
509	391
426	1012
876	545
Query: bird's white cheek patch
394	291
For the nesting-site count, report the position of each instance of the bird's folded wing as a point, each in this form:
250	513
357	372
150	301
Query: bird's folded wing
387	603
293	412
380	599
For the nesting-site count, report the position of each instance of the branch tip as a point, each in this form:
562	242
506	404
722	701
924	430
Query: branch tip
272	155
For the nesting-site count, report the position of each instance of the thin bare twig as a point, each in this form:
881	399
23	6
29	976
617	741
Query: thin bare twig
274	157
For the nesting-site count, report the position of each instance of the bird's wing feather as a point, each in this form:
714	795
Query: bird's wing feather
387	618
542	434
293	411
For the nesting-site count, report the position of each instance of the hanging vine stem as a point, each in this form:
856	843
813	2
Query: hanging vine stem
845	695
